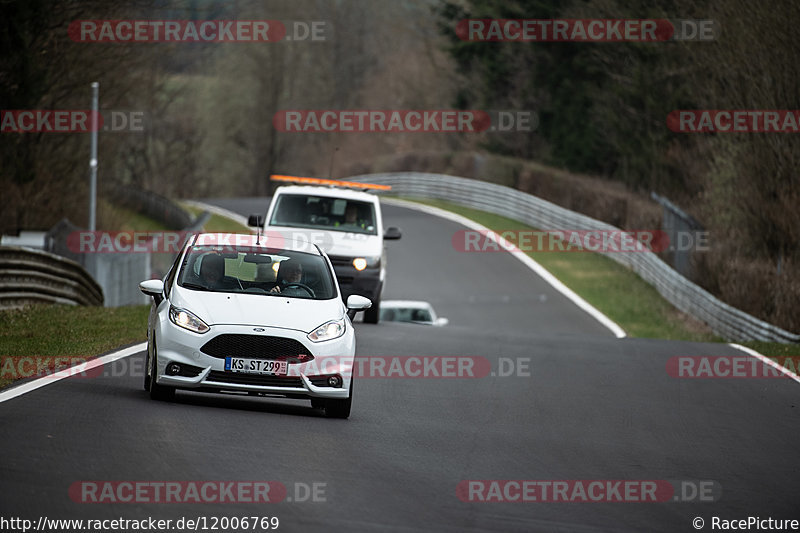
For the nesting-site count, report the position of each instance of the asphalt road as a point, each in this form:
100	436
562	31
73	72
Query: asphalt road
593	407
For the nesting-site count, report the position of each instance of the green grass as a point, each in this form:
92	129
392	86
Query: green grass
774	349
138	222
112	217
50	331
613	289
217	223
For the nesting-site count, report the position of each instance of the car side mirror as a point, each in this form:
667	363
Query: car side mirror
356	303
255	221
154	288
392	234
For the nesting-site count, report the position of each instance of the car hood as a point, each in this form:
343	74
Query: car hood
342	243
258	309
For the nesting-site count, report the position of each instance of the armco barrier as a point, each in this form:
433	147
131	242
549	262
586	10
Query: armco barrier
33	276
726	321
152	205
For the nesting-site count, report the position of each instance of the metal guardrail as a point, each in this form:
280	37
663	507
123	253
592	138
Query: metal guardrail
119	274
153	205
33	276
723	319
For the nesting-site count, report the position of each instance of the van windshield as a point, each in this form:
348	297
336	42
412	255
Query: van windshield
324	212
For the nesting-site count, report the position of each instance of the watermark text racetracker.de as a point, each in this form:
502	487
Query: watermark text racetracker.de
578	240
196	31
171	242
588	491
731	367
202	492
586	30
70	121
734	121
404	120
417	366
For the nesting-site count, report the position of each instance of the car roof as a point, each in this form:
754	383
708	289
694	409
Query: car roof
332	192
251	240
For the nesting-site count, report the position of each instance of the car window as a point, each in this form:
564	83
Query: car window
333	214
406	314
257	271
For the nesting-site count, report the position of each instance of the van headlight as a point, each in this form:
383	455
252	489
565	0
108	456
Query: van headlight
186	320
360	263
328	331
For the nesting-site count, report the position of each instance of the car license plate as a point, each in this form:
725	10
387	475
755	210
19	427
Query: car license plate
255	366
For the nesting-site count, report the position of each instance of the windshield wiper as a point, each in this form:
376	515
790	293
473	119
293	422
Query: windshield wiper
195	286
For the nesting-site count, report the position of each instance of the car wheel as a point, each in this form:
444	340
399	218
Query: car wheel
147	369
158	392
317	403
339	408
373	314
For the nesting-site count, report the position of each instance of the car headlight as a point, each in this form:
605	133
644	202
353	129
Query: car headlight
360	263
186	320
327	331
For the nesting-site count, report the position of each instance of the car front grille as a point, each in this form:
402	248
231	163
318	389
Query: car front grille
340	261
255	346
263	380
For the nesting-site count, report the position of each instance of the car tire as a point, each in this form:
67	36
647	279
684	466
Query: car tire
373	314
158	392
146	368
317	403
339	408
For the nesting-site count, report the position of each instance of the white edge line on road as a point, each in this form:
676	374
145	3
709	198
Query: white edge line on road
766	360
38	383
217	211
520	255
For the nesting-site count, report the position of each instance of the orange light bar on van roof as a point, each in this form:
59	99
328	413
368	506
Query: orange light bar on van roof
330	183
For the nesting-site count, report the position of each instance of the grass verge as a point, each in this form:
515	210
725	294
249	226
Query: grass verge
78	332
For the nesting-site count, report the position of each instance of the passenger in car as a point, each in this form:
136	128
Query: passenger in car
212	273
289	272
351	217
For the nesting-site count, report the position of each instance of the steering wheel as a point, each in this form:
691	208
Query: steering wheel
300	286
258	290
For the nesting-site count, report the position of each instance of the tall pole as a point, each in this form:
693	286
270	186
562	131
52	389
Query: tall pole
93	160
330	168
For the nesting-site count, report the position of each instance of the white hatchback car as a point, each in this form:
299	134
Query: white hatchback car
234	315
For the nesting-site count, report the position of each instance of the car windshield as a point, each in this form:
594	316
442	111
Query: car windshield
405	314
333	214
268	272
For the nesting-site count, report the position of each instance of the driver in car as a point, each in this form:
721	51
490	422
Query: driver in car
212	271
289	272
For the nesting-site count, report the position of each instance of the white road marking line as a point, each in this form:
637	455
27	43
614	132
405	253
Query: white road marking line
521	256
29	386
766	360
